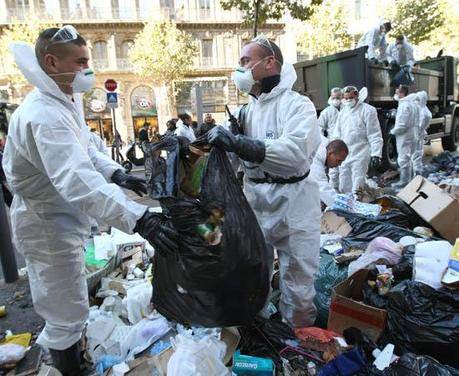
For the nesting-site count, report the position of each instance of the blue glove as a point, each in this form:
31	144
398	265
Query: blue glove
246	148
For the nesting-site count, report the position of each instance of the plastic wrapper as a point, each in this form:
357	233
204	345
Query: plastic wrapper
329	275
423	320
207	284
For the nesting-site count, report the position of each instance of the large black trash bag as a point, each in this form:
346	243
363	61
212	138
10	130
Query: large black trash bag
423	320
213	285
329	275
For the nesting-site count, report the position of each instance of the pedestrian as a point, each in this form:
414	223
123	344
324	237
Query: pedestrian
143	133
327	117
358	126
330	154
97	142
209	123
375	40
400	57
425	116
405	131
184	127
59	181
171	127
281	136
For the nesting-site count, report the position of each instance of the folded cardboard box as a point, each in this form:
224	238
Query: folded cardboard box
347	308
433	205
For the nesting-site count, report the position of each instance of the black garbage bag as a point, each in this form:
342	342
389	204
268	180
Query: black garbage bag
423	320
210	284
329	275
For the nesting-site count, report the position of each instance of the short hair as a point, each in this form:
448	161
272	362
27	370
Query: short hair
146	124
45	45
387	26
338	147
184	116
404	89
350	89
268	52
336	90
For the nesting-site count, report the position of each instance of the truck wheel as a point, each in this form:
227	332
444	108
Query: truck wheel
127	166
389	153
451	142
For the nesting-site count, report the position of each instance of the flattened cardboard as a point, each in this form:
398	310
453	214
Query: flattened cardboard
347	308
433	205
332	223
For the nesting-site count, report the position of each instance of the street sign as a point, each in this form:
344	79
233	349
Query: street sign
112	100
110	85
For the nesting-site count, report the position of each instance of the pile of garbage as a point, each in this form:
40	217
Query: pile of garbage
444	166
387	287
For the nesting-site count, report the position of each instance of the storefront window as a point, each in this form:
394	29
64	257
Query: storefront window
97	114
143	108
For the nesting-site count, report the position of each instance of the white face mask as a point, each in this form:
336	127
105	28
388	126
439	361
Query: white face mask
399	46
83	81
243	77
336	102
396	97
350	103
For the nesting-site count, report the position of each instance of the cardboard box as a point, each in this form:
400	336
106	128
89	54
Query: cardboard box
347	308
433	205
332	223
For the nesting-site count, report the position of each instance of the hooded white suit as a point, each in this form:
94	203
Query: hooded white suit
425	116
359	128
289	214
59	181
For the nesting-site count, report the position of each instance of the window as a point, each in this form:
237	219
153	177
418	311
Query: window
125	48
122	54
204	4
100	55
206	53
214	95
358	9
122	9
228	52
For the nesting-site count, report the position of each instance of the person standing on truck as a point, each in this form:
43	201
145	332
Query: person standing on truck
280	138
425	116
358	126
400	56
405	132
330	154
327	117
375	40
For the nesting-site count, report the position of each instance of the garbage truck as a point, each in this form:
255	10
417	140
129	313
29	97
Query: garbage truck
437	76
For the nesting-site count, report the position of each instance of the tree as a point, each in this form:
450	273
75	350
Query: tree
417	19
257	12
163	54
25	31
325	32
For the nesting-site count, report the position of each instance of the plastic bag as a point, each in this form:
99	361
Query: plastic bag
380	250
195	357
328	276
138	302
212	285
423	320
11	353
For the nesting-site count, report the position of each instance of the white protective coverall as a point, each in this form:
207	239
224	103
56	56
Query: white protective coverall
327	118
98	143
59	181
359	128
376	42
405	132
319	174
184	131
402	56
425	116
289	214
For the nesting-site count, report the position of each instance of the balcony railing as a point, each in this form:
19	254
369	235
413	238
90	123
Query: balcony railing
100	64
124	65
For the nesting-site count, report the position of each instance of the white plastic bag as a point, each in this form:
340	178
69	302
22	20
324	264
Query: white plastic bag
380	249
430	262
138	301
197	357
11	353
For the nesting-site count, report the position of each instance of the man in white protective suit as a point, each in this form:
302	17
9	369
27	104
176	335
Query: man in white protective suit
279	138
330	154
375	40
60	181
425	116
358	126
405	131
329	114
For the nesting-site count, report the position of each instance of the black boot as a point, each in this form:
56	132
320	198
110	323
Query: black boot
67	361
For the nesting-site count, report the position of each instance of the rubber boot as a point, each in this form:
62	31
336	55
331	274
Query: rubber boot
67	361
405	177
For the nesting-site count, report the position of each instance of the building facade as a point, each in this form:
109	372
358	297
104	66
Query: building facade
110	27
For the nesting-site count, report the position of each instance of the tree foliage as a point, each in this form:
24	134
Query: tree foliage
25	31
325	32
163	53
418	19
271	9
